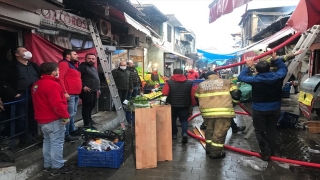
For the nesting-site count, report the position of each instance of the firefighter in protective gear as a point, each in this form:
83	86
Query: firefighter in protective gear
217	98
284	58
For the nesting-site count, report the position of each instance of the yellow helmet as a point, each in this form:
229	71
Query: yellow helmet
259	49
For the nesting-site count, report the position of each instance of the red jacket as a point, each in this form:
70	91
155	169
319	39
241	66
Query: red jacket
50	104
192	75
179	78
70	77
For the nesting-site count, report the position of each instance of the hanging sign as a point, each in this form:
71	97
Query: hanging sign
63	20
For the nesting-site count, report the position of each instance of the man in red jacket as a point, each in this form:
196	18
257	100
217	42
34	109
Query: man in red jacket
70	81
192	75
51	113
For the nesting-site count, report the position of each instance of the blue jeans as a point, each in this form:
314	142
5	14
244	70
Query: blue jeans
181	113
72	109
133	94
53	139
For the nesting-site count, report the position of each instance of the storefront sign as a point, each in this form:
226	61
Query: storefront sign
63	20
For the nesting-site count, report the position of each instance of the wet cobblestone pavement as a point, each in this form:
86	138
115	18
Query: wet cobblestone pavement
191	162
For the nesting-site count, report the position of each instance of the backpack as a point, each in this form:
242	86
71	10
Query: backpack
246	90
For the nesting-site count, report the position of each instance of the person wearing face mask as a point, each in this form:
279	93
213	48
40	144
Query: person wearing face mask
90	87
48	93
123	80
70	81
16	77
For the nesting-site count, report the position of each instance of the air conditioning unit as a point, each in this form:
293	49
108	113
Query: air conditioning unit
128	41
105	28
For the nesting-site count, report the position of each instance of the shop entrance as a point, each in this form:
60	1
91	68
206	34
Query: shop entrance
8	40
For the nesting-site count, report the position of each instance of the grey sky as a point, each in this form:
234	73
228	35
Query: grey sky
193	14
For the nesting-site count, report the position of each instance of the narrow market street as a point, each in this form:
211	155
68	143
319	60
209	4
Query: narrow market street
190	161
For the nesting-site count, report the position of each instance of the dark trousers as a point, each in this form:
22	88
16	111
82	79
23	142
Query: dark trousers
233	124
265	125
89	100
181	113
123	94
133	94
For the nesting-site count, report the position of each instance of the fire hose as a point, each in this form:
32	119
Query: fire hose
295	36
274	158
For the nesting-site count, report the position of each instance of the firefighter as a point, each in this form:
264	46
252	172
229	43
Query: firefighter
217	97
284	58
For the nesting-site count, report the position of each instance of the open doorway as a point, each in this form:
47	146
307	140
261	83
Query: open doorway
8	40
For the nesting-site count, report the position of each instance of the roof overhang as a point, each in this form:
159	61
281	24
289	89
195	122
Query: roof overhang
136	25
263	44
172	20
166	50
152	11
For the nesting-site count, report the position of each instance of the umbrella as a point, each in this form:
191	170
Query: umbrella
306	15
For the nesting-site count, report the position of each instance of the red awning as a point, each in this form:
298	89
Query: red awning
45	51
222	7
171	51
306	15
249	52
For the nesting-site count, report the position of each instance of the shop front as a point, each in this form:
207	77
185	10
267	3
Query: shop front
166	60
14	22
60	30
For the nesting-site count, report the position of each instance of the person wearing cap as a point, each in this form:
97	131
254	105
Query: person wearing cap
217	98
180	96
137	84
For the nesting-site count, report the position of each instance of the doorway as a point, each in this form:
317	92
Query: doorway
8	40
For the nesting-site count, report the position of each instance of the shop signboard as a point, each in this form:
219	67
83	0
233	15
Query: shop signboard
63	20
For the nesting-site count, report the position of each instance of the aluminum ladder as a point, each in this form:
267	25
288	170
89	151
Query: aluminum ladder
305	41
106	61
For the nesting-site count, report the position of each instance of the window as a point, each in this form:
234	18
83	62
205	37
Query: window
169	31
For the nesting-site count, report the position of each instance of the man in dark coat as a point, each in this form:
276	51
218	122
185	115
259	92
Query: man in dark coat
135	80
123	80
16	77
90	87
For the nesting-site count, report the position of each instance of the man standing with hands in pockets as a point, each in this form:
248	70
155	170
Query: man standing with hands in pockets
90	83
51	112
70	81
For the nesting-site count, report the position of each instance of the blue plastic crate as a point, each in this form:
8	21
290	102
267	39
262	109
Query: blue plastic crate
197	82
288	120
109	159
286	90
130	116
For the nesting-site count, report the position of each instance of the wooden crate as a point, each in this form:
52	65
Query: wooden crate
164	133
146	141
314	130
313	123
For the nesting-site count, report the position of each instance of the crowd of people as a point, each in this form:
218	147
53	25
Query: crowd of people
56	88
217	98
52	92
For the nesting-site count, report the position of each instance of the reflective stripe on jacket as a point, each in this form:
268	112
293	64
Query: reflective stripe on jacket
214	97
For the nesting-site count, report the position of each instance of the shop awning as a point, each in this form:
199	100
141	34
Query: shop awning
171	51
136	25
306	14
249	50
